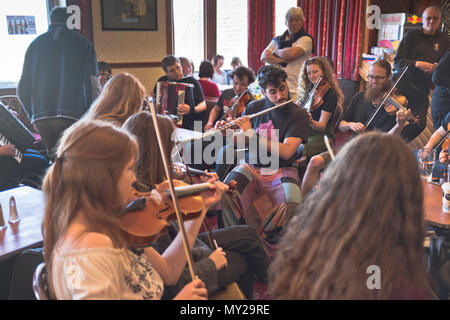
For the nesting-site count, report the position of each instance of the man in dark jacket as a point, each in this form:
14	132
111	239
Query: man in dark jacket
59	79
420	50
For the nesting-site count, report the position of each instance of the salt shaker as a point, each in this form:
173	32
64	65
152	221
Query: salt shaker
13	216
2	220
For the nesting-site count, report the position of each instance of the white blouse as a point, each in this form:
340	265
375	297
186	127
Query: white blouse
105	273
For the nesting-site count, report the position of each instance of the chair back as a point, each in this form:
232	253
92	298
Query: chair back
40	282
231	292
21	285
337	116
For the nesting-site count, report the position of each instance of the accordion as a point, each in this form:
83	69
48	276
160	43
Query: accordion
14	132
169	95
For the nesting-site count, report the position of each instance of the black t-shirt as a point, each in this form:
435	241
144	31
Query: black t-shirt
192	98
361	111
290	121
329	105
446	121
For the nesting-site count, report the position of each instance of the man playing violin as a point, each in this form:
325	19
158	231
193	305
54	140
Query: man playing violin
420	50
280	131
242	78
362	108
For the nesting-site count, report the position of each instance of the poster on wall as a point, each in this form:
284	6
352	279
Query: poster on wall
21	24
129	15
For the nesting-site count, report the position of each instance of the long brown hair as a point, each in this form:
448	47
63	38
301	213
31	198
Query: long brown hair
150	167
328	74
121	97
367	211
91	158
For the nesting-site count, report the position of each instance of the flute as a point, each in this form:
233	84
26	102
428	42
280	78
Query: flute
233	123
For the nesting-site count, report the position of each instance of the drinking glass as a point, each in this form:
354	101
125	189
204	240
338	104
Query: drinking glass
426	162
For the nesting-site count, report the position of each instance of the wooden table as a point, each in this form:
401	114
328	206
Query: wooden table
26	233
434	215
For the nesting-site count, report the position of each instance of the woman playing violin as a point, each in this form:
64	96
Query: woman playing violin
85	251
240	254
323	105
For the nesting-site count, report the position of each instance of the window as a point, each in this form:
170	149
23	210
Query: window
281	7
232	31
14	46
188	29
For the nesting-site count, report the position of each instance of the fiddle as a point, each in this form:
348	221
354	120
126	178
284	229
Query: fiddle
322	89
387	96
395	103
238	105
145	218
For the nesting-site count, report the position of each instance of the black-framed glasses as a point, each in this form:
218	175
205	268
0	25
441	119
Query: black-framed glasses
431	18
105	75
372	77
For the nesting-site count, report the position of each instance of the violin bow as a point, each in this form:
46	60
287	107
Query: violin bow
386	97
311	94
233	106
441	141
233	123
187	250
330	150
211	237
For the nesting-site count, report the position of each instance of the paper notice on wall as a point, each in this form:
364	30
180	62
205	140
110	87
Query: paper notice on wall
21	24
390	32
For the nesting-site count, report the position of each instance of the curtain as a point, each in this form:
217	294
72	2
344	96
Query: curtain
261	26
86	17
337	29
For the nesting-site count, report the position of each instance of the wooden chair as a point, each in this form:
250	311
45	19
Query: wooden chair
231	292
40	282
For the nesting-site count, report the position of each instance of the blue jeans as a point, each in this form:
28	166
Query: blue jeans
33	166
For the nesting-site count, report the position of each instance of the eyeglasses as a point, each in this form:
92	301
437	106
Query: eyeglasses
106	75
431	18
371	77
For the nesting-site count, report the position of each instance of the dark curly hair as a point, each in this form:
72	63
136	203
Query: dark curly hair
271	75
242	72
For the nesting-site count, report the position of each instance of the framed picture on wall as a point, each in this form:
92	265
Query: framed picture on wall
129	15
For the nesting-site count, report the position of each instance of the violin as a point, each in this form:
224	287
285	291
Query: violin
237	107
321	90
241	104
147	217
395	103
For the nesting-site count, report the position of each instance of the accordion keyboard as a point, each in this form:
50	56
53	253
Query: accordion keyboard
17	155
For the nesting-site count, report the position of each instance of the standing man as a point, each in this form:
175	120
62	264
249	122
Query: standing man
59	79
420	50
291	49
194	105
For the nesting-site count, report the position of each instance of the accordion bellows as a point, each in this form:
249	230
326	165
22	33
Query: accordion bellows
14	130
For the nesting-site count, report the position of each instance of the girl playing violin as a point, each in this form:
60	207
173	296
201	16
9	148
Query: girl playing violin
323	105
84	248
240	254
